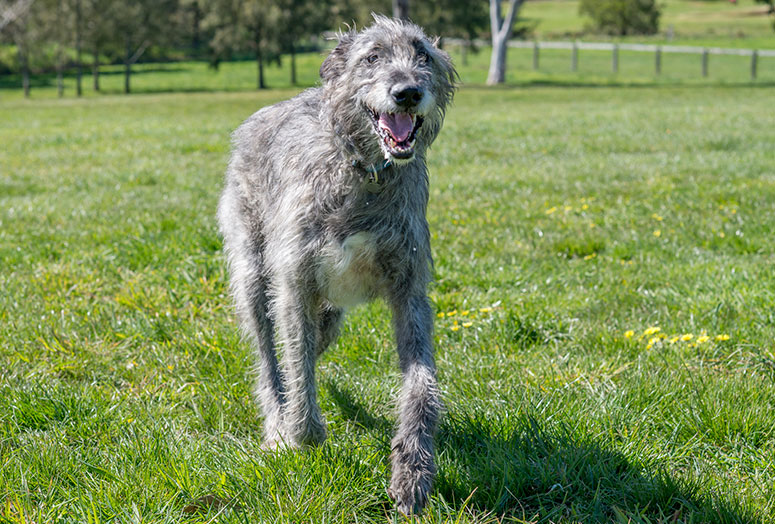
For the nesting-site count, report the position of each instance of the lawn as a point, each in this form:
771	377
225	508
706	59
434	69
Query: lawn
604	333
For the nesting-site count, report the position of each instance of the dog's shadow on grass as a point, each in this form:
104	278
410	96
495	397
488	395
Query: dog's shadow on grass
514	467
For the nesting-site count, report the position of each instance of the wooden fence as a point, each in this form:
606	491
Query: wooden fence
614	49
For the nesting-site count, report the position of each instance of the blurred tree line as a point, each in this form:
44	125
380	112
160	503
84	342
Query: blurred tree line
80	36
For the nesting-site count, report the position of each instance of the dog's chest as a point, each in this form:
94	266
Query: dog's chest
348	272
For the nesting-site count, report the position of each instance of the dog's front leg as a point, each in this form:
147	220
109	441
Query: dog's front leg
297	318
412	448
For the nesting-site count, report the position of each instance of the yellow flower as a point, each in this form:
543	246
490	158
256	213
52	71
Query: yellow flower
687	337
651	331
674	339
657	233
550	210
468	324
656	217
629	333
653	340
455	328
452	313
440	314
703	338
464	313
485	309
585	207
590	256
722	337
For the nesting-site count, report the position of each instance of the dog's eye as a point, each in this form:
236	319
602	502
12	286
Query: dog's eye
423	57
372	58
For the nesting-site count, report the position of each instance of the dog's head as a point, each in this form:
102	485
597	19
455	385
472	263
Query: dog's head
388	87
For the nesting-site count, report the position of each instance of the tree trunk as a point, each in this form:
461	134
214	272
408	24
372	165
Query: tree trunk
60	79
78	90
260	65
293	64
95	68
500	28
25	69
127	64
401	9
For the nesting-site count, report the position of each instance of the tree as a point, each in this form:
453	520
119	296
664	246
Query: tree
501	28
244	24
98	28
15	19
11	11
138	25
622	17
302	18
453	18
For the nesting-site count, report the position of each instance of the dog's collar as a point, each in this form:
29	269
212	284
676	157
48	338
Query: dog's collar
372	183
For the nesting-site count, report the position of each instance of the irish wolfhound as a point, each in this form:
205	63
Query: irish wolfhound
324	207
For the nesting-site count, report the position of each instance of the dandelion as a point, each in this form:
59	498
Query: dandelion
656	217
653	340
452	313
550	210
651	331
722	337
702	339
629	333
440	314
585	207
657	233
464	313
674	339
485	309
590	256
455	328
467	324
687	337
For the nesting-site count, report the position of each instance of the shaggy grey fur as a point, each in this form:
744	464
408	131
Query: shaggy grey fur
324	207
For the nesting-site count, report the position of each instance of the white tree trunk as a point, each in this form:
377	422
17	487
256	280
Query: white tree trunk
500	28
401	9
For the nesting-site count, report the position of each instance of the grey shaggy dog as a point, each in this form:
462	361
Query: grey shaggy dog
324	207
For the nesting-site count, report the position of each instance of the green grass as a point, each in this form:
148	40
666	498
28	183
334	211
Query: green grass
744	24
562	218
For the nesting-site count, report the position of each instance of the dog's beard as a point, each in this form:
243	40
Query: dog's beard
396	132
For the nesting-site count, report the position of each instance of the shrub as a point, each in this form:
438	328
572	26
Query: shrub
622	17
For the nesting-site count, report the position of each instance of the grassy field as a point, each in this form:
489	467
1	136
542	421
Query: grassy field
742	24
604	294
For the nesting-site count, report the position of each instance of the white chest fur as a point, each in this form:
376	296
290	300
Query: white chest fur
348	274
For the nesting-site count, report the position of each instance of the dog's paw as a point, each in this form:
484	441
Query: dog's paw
409	488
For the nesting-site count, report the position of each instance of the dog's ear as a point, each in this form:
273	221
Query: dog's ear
334	65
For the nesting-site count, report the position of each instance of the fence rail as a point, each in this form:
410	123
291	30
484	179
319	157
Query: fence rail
658	50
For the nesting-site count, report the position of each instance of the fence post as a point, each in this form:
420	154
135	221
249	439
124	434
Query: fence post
658	60
705	62
615	58
754	58
535	55
574	58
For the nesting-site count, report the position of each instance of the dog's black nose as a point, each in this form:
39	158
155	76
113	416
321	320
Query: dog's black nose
407	97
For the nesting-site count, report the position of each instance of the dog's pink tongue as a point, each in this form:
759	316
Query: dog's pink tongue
399	125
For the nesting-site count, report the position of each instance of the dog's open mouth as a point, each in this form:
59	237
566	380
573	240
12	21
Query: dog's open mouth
397	131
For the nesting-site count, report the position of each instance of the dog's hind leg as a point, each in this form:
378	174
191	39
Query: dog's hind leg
412	459
298	316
